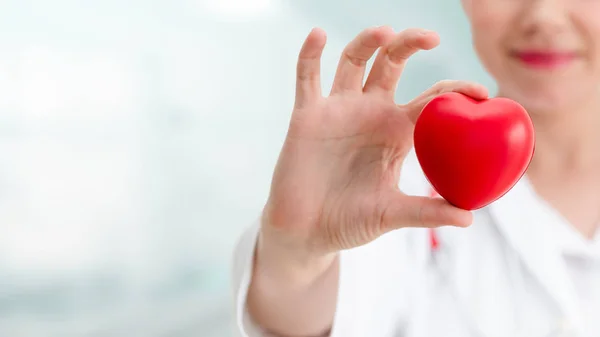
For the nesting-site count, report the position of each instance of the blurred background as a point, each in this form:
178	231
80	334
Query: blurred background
137	141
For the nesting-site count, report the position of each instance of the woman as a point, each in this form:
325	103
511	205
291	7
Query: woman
341	250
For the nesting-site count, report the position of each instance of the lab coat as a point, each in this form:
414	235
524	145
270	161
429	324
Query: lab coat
501	277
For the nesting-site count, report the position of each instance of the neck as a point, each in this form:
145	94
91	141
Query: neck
567	141
564	169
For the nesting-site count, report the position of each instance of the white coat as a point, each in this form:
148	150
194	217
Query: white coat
505	276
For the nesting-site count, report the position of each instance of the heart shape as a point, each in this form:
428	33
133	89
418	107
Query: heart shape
473	151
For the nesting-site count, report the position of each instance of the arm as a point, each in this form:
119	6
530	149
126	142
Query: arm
321	260
371	295
289	292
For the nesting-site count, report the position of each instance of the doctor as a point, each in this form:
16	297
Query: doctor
350	243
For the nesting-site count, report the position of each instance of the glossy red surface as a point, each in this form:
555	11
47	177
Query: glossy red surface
473	152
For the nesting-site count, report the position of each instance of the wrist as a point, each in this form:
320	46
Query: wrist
289	262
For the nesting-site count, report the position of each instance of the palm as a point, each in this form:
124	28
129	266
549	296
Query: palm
335	185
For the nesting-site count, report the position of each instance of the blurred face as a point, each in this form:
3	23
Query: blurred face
544	54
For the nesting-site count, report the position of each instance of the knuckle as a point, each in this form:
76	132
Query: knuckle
374	38
404	45
410	31
367	40
421	215
444	86
354	60
307	70
303	57
407	46
386	29
307	76
363	43
407	43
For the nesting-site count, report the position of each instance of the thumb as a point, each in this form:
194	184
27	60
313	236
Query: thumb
474	90
401	210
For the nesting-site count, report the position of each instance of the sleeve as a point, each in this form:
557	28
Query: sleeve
376	281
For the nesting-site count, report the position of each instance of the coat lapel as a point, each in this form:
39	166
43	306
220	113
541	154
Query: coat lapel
520	217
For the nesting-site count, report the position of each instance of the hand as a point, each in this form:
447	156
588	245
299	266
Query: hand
335	185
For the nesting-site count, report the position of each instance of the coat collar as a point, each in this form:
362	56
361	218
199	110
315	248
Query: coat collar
524	222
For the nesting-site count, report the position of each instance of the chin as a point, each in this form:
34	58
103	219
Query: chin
545	100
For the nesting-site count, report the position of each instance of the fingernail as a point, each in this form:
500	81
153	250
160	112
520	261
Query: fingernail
425	32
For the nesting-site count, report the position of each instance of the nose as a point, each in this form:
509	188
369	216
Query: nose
544	17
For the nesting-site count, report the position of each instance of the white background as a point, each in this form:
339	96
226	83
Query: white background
137	140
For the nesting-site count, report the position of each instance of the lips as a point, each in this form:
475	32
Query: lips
545	59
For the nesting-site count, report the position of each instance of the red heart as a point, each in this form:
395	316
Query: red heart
473	152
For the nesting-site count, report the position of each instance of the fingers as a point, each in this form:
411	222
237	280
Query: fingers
401	211
474	90
308	71
391	60
353	62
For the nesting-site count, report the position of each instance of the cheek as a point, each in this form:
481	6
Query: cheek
491	29
550	92
591	28
574	86
487	42
489	21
